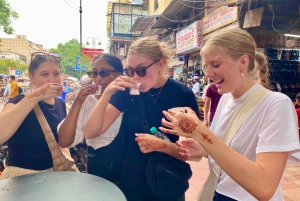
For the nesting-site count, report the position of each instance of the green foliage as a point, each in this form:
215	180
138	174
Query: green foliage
68	53
6	16
6	63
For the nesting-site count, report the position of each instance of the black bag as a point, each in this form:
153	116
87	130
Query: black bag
166	176
106	161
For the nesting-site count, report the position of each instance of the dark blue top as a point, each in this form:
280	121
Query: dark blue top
27	147
173	94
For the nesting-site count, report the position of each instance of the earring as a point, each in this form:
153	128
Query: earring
112	77
242	74
159	72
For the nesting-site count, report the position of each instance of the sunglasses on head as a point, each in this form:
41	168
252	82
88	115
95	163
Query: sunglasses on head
102	73
140	71
43	54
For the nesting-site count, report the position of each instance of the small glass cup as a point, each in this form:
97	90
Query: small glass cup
134	91
99	91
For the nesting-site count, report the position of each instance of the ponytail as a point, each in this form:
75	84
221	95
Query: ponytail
262	70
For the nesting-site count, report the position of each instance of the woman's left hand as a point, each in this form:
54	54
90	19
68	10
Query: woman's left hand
182	124
149	143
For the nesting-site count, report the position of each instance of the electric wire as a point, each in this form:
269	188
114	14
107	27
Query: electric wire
273	16
191	6
69	5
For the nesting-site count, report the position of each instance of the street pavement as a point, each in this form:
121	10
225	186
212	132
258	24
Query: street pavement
291	181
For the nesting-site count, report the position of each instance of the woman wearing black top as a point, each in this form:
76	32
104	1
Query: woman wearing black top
146	61
28	150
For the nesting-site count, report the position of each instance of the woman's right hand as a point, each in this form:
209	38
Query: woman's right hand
48	90
85	91
121	83
189	148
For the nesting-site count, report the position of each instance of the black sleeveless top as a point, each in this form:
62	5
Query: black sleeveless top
27	147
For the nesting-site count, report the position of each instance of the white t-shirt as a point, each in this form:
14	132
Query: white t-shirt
271	127
100	141
196	89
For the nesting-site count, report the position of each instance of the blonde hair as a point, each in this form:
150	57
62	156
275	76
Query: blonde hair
152	49
236	42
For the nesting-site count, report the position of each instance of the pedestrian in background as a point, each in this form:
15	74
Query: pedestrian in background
212	98
196	86
13	89
103	150
246	160
146	60
28	150
7	87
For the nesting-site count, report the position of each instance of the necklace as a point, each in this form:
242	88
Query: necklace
47	107
156	94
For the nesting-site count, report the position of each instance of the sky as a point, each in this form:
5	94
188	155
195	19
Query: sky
50	22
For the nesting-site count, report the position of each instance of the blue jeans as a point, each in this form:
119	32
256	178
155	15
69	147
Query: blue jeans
220	197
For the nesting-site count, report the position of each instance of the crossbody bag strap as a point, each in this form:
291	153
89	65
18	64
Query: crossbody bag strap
144	121
239	117
49	137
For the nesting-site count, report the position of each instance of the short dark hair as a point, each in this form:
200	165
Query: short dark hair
298	97
112	59
38	60
12	77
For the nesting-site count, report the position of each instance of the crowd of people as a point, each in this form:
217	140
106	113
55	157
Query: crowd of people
247	135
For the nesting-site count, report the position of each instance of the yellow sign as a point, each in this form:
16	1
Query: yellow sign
219	18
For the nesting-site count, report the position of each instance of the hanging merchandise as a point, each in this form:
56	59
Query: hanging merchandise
284	70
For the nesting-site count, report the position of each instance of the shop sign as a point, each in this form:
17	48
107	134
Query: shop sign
253	18
170	41
219	18
12	71
189	39
176	62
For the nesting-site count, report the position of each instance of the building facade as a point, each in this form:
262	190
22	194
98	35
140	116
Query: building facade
21	46
13	56
158	6
120	18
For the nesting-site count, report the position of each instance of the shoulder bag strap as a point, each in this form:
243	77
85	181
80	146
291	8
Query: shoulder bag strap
49	137
144	121
208	190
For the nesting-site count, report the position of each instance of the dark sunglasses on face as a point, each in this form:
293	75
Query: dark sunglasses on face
102	73
140	71
43	54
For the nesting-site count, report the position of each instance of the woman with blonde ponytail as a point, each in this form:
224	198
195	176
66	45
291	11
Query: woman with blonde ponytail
253	132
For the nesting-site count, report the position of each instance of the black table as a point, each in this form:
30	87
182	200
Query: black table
59	186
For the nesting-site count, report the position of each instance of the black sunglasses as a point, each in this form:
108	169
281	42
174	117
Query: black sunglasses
140	71
43	54
102	73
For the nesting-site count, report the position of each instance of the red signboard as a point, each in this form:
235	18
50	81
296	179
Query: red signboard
92	52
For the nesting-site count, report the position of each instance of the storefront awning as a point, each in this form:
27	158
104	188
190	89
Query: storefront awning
142	22
145	24
176	11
